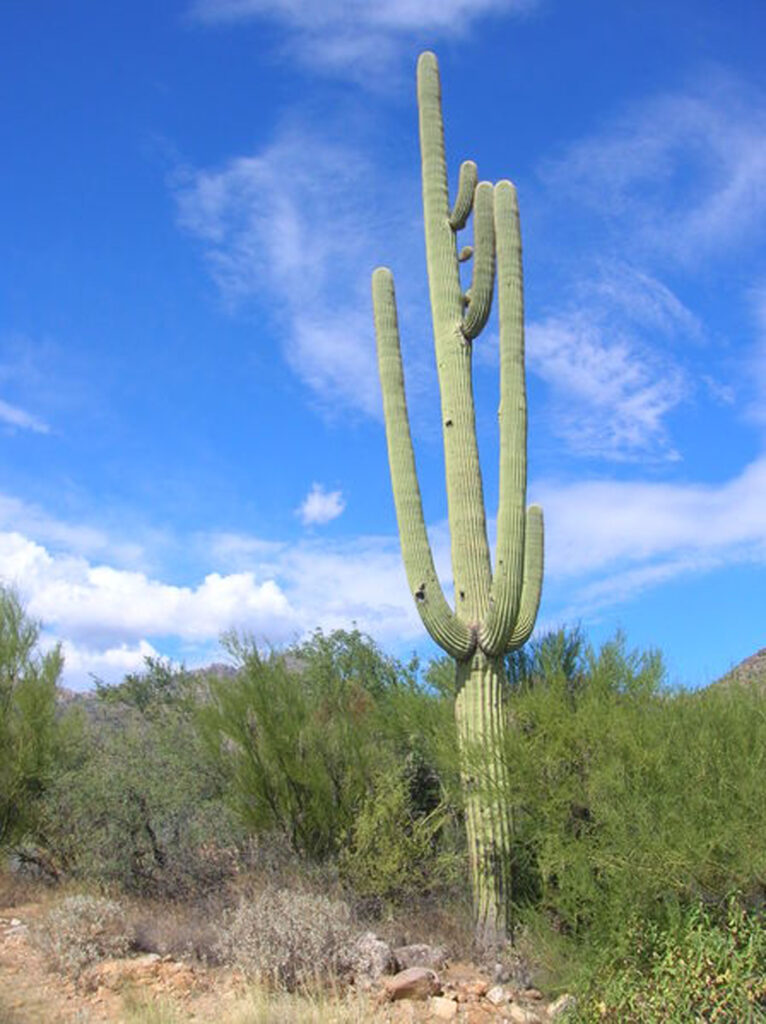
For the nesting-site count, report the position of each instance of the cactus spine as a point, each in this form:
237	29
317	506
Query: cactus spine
495	608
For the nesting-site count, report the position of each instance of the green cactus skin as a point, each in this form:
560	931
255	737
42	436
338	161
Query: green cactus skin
495	607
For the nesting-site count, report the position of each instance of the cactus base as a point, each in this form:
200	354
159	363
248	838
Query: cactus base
480	720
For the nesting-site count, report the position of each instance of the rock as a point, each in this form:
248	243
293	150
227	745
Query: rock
442	1008
367	959
420	955
497	995
521	1015
414	983
514	970
565	1003
532	993
472	991
150	968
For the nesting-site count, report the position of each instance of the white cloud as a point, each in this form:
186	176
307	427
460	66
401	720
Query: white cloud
610	394
321	506
290	231
606	540
99	605
13	416
597	527
358	38
78	538
682	175
108	665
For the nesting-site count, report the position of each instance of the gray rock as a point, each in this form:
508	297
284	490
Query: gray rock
420	955
367	959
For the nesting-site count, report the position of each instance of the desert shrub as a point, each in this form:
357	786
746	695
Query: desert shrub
708	964
144	807
302	735
33	739
81	931
632	802
395	856
288	937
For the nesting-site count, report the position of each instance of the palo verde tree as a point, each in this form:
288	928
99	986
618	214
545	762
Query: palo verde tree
496	606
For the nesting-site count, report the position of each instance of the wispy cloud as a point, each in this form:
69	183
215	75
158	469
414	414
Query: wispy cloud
595	527
281	229
606	352
19	419
681	175
32	521
321	506
360	39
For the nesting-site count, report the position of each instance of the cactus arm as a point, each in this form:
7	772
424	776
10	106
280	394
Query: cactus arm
471	568
464	199
506	590
483	280
445	628
533	579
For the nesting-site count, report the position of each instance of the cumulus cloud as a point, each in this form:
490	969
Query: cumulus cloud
19	419
360	39
109	666
606	541
321	506
101	605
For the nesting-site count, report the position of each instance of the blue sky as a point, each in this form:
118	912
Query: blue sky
194	195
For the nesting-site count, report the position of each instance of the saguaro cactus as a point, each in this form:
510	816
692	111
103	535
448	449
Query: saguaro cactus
495	608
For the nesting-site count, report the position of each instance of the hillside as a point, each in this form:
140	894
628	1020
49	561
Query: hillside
751	672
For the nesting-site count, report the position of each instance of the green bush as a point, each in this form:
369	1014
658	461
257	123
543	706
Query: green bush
33	740
632	803
708	964
143	808
303	735
395	856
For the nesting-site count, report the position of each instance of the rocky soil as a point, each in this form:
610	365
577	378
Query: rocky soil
106	992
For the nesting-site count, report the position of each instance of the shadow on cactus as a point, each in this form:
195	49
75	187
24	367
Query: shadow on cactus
496	606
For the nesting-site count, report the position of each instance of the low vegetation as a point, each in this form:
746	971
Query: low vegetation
267	815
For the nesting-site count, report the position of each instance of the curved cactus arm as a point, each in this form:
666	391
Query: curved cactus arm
466	187
453	635
483	280
533	579
506	592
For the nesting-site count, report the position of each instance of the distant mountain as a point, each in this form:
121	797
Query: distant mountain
750	672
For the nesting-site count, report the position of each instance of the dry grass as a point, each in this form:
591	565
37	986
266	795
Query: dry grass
80	931
261	1006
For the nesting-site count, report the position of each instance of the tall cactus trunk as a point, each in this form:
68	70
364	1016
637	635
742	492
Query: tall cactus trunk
495	606
481	733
